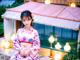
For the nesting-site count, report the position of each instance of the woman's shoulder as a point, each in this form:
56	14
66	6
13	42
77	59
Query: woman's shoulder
20	29
35	31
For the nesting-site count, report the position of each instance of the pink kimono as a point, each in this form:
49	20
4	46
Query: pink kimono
31	37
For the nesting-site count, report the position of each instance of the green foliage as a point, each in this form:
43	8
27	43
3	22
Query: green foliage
19	1
2	10
15	4
54	34
72	55
1	29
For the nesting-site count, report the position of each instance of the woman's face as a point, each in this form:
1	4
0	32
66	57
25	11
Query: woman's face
27	21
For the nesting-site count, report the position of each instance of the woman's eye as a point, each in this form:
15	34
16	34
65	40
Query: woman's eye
28	19
24	20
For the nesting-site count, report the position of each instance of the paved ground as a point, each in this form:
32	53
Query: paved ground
3	57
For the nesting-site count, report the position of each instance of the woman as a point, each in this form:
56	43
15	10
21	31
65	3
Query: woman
26	42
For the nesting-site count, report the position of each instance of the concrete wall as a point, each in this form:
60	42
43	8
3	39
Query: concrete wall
9	27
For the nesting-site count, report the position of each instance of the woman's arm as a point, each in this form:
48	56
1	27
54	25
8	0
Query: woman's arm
16	41
36	44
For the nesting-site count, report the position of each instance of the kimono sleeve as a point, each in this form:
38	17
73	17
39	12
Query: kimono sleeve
16	41
36	44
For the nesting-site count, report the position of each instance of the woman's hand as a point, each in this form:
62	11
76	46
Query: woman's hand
25	49
24	52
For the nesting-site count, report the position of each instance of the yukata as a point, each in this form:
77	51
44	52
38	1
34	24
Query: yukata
31	37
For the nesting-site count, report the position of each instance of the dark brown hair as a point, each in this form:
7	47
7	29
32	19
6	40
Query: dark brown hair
27	13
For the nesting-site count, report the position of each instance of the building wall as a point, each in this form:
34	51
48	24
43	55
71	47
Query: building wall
62	34
9	28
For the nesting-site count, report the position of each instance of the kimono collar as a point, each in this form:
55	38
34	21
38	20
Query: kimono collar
30	30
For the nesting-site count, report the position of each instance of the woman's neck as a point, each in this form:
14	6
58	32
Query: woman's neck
27	28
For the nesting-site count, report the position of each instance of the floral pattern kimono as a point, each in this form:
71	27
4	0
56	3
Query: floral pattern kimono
31	37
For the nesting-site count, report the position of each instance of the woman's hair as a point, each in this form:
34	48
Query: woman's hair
27	13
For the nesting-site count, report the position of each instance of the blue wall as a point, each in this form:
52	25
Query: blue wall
63	35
